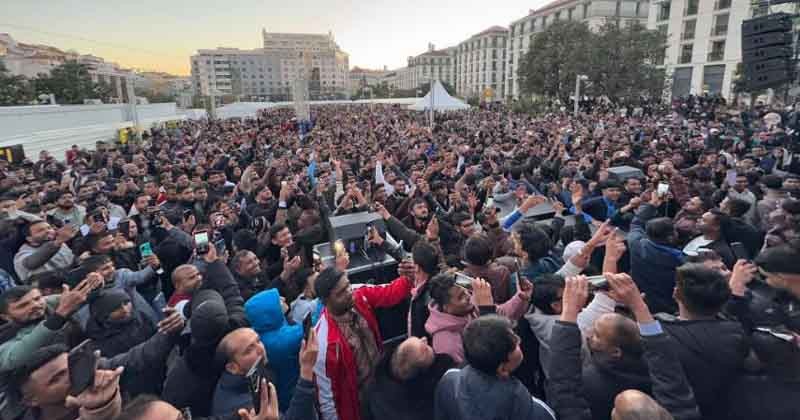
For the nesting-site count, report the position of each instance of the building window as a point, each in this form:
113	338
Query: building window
686	54
691	7
664	10
688	29
661	57
570	13
717	52
720	25
663	30
586	10
722	4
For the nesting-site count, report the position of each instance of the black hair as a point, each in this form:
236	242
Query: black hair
440	286
326	282
300	277
660	229
459	217
34	361
773	182
245	239
703	290
26	228
780	259
137	408
276	228
54	279
478	250
738	207
488	341
12	295
94	262
535	241
548	287
93	239
425	256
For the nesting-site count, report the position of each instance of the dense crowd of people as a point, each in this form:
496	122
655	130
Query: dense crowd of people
638	263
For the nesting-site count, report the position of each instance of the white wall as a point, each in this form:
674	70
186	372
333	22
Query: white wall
56	128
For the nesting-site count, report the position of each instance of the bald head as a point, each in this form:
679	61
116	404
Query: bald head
412	356
186	278
240	349
636	405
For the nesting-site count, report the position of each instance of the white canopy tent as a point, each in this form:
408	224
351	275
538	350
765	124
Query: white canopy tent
439	100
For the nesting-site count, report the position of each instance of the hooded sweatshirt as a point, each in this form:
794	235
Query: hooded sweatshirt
446	328
469	394
281	340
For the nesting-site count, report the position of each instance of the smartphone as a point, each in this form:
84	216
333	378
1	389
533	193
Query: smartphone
662	189
145	249
254	377
82	364
306	325
220	245
464	280
598	283
124	227
201	242
739	251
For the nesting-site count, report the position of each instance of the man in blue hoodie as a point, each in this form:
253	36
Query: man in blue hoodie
266	312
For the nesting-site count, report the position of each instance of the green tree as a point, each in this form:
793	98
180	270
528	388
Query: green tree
554	59
14	89
623	61
69	82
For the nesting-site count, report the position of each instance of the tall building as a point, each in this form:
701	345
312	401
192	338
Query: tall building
432	64
704	41
594	12
269	73
480	64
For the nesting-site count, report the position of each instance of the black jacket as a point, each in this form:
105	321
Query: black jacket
764	397
113	338
419	312
145	365
712	354
390	398
220	279
669	385
191	380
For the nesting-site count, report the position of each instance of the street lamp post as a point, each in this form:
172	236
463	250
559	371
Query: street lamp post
578	90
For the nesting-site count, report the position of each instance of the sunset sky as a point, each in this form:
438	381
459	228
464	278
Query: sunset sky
162	34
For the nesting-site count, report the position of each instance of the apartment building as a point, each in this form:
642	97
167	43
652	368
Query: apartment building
704	41
594	12
480	64
269	73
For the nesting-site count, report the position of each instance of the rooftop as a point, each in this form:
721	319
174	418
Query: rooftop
551	5
493	29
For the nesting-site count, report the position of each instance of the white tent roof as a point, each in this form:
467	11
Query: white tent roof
439	100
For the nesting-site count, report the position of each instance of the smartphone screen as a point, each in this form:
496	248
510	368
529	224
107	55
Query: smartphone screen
598	283
254	383
145	250
306	325
82	364
464	280
662	189
201	242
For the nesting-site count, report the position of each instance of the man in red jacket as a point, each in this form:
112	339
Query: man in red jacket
350	343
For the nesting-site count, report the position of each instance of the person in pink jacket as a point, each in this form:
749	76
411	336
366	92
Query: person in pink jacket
454	306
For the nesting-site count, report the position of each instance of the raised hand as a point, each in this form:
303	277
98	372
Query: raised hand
482	292
576	293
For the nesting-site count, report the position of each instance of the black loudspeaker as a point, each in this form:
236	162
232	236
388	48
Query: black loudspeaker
767	53
354	226
12	154
622	173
